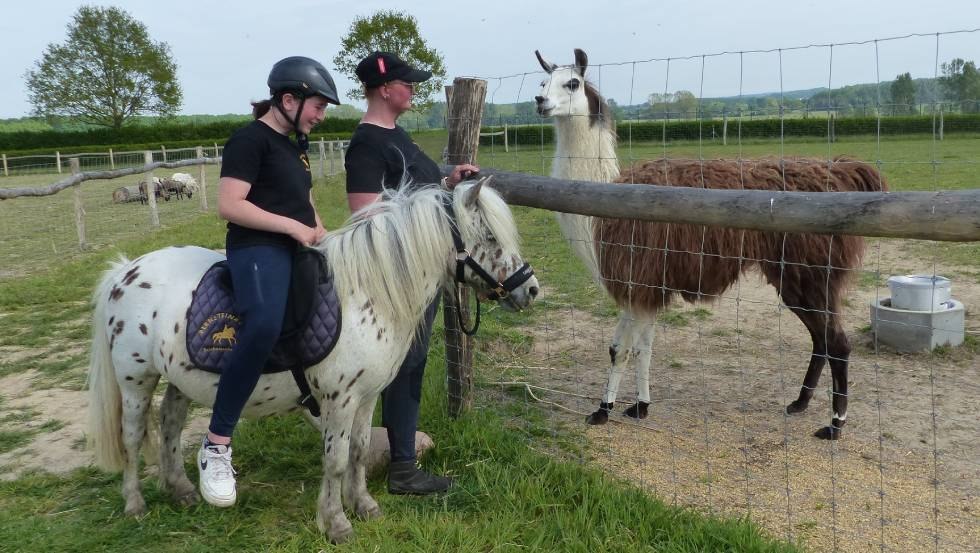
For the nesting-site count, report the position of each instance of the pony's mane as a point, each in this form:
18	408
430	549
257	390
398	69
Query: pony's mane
397	250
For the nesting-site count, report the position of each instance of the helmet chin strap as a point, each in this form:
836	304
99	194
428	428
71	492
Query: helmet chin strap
301	138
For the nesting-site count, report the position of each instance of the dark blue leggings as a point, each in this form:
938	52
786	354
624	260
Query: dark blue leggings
260	276
400	400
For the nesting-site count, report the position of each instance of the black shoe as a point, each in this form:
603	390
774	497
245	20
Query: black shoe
404	478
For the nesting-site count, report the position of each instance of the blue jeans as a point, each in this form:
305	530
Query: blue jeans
400	400
260	276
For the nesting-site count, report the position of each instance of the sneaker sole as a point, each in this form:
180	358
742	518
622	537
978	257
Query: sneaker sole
219	501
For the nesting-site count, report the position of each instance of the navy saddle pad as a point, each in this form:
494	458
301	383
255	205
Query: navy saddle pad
310	326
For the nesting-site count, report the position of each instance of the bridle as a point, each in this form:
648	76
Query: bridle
498	290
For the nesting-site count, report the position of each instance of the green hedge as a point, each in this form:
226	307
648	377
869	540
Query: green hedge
168	135
769	128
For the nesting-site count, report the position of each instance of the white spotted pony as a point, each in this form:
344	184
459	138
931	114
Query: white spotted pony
388	264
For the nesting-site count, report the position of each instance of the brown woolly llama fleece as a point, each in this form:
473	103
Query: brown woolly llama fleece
644	264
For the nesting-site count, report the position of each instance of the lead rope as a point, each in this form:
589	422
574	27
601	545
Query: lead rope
459	313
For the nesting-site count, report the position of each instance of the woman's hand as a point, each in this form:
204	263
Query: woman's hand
460	172
319	231
307	236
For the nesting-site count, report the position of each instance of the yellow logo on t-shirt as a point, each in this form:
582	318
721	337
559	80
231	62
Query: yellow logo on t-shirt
306	161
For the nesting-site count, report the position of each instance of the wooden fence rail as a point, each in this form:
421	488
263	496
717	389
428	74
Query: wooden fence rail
952	216
51	189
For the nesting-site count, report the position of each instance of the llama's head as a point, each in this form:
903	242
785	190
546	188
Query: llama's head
566	93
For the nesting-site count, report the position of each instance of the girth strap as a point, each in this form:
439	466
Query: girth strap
306	396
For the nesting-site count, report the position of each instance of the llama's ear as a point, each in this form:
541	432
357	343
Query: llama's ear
581	61
548	67
469	200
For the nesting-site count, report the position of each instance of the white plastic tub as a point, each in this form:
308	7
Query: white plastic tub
919	292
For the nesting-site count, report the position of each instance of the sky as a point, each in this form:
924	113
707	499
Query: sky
224	50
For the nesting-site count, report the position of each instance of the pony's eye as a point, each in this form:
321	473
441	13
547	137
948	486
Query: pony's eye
572	85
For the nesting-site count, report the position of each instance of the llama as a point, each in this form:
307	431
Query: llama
643	265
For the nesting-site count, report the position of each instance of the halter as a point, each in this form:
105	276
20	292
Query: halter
498	290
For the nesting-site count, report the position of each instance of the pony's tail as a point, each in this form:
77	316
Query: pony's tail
104	399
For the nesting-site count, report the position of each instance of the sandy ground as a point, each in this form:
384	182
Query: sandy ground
63	450
905	476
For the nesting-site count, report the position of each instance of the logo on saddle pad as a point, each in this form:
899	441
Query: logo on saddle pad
221	340
310	326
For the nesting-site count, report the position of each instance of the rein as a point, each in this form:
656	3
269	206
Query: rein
498	290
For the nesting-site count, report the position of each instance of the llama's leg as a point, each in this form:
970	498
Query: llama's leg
822	319
356	495
137	393
173	413
330	517
839	351
818	357
619	352
644	330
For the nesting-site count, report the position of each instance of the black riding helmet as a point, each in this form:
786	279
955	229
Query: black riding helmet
302	77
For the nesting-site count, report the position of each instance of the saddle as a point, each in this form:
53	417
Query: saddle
310	329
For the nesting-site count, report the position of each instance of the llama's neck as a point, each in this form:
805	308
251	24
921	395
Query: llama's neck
584	151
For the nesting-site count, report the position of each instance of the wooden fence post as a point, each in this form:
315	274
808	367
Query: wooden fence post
151	193
202	190
724	130
463	117
79	207
112	160
940	122
5	172
164	150
506	149
321	147
216	149
57	160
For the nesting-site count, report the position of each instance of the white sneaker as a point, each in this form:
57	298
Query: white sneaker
217	477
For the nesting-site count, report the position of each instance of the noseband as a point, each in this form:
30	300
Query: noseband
498	290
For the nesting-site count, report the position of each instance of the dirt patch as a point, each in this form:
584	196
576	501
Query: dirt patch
62	450
905	474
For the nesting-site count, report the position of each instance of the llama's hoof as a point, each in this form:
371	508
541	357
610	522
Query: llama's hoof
797	407
828	433
339	531
638	410
601	416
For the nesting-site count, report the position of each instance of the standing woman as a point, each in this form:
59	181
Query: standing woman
265	195
380	152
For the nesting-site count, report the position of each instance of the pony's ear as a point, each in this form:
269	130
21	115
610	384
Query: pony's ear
469	200
548	67
581	61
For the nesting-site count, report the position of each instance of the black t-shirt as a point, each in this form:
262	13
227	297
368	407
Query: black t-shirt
376	158
279	173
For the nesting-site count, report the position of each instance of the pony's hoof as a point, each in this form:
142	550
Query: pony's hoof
341	535
638	410
598	418
368	512
136	507
188	499
828	433
796	407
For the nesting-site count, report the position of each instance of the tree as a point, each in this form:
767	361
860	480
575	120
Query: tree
903	93
398	33
961	81
106	72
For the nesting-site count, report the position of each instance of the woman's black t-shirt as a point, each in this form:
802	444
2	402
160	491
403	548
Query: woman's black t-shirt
377	158
279	173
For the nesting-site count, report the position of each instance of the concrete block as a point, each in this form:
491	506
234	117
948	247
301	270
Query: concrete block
911	331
